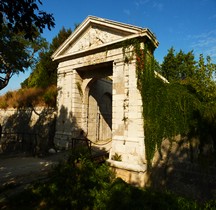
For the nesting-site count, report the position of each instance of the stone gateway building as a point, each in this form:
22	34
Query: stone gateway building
97	92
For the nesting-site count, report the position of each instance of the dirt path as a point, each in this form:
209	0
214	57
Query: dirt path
16	173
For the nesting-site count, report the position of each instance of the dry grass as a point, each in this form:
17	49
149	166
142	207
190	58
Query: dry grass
29	97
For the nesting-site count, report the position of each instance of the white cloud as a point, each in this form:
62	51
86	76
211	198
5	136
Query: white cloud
204	43
212	52
206	35
154	4
158	5
127	12
141	2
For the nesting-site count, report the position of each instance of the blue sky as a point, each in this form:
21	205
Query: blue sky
183	24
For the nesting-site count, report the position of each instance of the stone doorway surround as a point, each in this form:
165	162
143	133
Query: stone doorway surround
94	52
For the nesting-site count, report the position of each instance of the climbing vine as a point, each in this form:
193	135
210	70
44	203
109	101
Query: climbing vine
168	109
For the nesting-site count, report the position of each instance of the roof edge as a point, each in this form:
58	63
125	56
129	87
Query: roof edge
145	32
98	20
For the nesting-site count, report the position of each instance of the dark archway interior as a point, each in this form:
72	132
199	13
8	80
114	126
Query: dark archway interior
99	105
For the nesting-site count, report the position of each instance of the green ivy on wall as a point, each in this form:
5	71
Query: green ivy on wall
168	109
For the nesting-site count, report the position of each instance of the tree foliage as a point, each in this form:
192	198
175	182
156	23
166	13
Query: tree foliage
198	76
21	23
178	66
196	79
185	105
16	53
45	72
24	16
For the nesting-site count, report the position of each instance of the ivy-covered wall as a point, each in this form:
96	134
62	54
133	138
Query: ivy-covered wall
169	109
177	157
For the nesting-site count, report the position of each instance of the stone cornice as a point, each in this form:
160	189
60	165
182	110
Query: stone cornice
144	33
130	31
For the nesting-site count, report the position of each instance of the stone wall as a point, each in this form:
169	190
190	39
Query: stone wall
183	168
179	167
36	124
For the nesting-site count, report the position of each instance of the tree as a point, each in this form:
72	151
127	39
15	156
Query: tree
45	72
168	67
179	66
24	16
21	23
16	53
198	78
203	79
199	75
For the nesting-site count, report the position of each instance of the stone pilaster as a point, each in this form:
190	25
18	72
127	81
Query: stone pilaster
127	155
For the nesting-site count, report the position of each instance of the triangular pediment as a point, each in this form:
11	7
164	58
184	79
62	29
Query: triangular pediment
93	33
94	36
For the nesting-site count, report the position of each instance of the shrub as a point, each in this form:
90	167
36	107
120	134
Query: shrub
8	95
126	197
28	97
78	183
3	104
50	96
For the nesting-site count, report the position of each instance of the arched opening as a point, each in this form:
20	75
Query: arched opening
100	110
97	101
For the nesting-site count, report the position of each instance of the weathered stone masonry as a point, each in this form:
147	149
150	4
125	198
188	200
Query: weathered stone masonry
98	92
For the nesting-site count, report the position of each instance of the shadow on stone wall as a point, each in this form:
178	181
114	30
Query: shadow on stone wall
33	128
183	169
33	131
70	135
67	129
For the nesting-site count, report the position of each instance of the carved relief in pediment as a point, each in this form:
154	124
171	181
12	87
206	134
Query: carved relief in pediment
93	37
